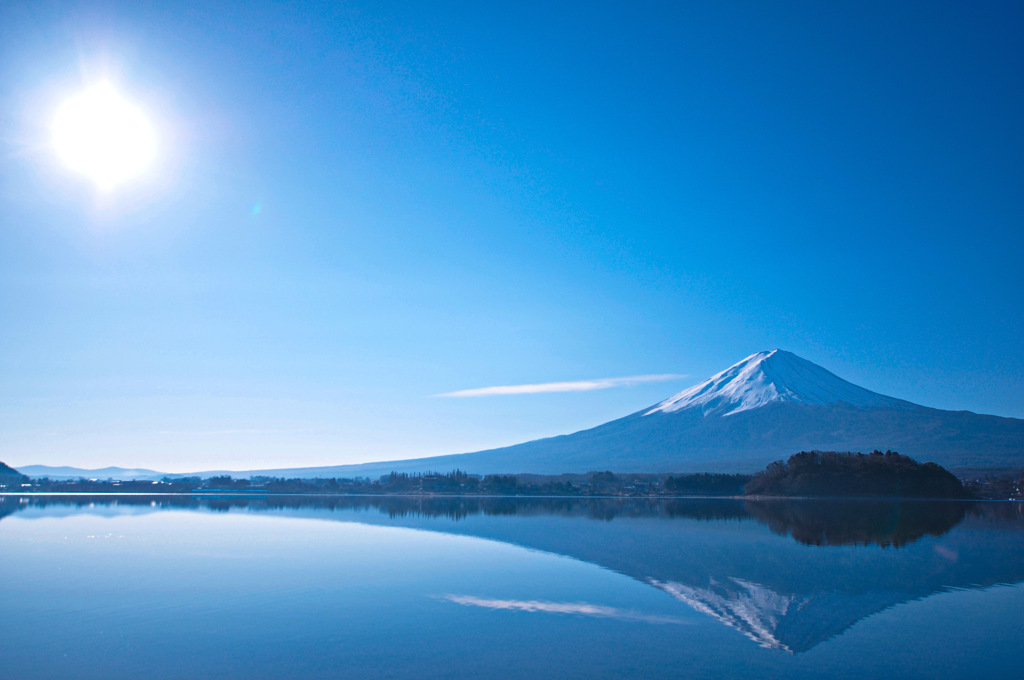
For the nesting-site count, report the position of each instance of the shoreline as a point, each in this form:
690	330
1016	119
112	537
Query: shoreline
271	494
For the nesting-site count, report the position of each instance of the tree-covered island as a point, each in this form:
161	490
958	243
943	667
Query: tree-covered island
877	474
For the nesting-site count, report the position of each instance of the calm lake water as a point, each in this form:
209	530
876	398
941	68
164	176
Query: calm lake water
357	587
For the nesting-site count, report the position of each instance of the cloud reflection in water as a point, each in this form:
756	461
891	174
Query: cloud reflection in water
578	608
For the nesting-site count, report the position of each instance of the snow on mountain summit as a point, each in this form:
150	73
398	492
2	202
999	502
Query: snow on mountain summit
767	377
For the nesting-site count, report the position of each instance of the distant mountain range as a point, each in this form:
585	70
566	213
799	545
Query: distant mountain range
766	407
66	472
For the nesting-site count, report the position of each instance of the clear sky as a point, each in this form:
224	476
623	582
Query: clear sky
358	206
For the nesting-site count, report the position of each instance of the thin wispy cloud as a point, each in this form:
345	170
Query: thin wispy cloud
260	431
548	607
574	386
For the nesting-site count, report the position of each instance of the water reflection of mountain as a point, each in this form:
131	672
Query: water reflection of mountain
735	561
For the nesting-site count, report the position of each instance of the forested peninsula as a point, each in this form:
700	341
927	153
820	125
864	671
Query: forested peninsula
850	475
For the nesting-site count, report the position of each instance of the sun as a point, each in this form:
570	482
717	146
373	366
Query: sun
104	136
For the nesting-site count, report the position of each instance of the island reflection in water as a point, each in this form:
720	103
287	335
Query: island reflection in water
788	575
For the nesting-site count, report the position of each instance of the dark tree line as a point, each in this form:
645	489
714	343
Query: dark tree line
452	483
997	485
808	473
707	484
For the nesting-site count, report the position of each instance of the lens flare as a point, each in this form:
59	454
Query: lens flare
104	136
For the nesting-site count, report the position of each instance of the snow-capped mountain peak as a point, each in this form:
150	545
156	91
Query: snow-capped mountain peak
767	377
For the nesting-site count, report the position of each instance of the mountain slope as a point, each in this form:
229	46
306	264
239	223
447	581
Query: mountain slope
766	407
10	477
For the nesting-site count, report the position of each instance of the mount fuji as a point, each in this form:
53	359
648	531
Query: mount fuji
766	407
768	377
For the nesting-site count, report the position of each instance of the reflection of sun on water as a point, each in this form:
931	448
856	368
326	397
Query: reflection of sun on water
102	135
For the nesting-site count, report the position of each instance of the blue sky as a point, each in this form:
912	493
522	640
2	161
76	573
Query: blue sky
359	206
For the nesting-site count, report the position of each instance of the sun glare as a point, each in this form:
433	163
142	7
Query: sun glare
104	136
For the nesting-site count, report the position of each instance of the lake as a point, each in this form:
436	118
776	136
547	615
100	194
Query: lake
399	587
